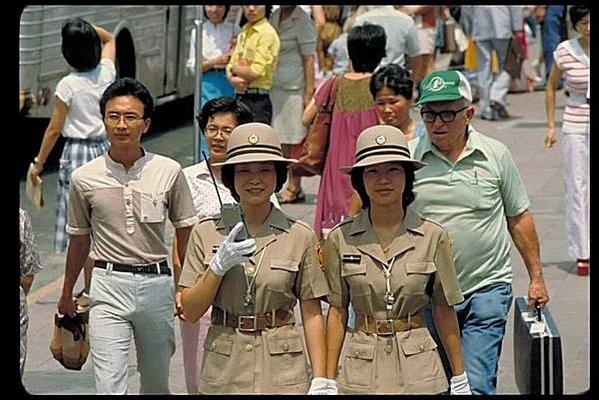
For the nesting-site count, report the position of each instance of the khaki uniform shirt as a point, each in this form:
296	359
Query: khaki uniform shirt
127	210
422	271
287	268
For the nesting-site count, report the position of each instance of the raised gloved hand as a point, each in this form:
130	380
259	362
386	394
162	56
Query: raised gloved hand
459	384
318	386
231	253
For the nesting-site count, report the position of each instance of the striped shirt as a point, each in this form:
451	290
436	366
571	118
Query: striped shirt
571	59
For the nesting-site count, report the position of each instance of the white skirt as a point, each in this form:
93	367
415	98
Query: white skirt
287	110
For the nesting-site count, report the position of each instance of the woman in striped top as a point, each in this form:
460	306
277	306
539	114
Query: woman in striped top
572	62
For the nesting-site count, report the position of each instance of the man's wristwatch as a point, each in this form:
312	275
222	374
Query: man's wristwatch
36	160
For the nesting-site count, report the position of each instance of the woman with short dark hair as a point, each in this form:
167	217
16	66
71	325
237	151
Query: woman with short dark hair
354	111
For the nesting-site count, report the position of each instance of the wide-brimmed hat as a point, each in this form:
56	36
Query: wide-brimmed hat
379	144
254	142
444	86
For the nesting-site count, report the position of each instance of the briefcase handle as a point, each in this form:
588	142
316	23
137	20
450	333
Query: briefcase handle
538	310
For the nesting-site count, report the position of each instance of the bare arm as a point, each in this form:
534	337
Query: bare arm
196	299
309	113
524	235
59	114
26	282
449	332
76	255
315	337
309	78
552	82
182	238
244	72
335	334
417	70
108	43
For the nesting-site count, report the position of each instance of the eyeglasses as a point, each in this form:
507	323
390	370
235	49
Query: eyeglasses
115	118
213	130
446	115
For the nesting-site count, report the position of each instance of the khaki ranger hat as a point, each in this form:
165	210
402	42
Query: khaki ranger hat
254	142
379	144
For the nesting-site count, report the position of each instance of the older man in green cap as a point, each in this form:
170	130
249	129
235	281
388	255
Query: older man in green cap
472	187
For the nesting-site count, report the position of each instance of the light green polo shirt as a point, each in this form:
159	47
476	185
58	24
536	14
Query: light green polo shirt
472	199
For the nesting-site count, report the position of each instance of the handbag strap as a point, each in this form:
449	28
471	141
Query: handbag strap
330	103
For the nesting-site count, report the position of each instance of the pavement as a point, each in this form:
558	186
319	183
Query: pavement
541	169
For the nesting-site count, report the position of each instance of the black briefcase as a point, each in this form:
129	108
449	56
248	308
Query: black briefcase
537	351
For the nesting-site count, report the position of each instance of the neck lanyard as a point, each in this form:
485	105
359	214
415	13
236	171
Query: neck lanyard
389	297
248	300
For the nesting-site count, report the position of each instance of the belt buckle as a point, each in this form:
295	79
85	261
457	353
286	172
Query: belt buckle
241	323
388	323
139	268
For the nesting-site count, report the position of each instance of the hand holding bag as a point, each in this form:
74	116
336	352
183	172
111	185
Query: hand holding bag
514	59
70	340
311	152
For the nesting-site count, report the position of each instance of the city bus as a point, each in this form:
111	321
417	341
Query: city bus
152	45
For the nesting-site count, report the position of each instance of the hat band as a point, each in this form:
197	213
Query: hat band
255	149
387	150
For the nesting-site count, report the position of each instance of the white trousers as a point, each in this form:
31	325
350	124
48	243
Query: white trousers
123	306
492	87
577	185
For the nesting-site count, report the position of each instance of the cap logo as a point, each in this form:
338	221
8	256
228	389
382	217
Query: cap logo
253	139
436	84
380	139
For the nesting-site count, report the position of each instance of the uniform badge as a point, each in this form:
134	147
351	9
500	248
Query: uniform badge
351	258
381	139
253	138
320	256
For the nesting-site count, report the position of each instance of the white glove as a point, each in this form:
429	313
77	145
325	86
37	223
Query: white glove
231	253
332	387
320	386
459	384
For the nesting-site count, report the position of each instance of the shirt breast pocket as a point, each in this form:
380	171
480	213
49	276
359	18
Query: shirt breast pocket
153	207
484	192
418	275
282	276
354	273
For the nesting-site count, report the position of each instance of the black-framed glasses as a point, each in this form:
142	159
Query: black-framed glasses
129	118
445	115
213	129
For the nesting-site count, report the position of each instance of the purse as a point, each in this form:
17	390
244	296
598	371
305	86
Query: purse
311	152
70	340
514	59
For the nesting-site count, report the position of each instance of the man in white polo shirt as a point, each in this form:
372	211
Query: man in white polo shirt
123	198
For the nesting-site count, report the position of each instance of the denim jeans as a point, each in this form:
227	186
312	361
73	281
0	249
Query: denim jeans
482	318
552	34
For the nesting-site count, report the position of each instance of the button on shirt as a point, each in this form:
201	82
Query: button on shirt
127	210
471	199
259	45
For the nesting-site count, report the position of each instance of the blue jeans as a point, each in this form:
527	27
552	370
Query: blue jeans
552	34
482	318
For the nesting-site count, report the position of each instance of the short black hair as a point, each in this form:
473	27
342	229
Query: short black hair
394	77
577	13
81	46
227	175
227	7
366	47
128	87
224	105
408	196
243	20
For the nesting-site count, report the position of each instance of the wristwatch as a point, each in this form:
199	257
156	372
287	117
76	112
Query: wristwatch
36	160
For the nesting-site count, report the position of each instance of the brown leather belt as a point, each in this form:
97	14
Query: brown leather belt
385	327
251	323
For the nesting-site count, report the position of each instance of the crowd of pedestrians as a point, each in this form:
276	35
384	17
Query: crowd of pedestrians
411	239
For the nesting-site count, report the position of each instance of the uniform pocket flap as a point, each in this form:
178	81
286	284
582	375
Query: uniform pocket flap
349	269
284	345
362	351
421	267
415	345
220	346
284	263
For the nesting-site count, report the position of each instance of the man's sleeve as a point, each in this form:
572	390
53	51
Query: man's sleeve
266	53
513	191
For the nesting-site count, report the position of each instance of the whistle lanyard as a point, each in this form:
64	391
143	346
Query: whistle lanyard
389	297
248	300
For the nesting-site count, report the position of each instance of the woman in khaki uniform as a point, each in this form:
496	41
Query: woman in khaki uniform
389	263
253	284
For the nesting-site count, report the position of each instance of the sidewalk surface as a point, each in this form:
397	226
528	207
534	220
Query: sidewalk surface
541	169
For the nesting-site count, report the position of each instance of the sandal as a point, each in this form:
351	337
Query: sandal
288	196
583	266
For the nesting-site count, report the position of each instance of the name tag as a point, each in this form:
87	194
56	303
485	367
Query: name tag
351	258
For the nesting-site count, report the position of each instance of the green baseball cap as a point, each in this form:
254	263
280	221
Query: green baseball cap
444	86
